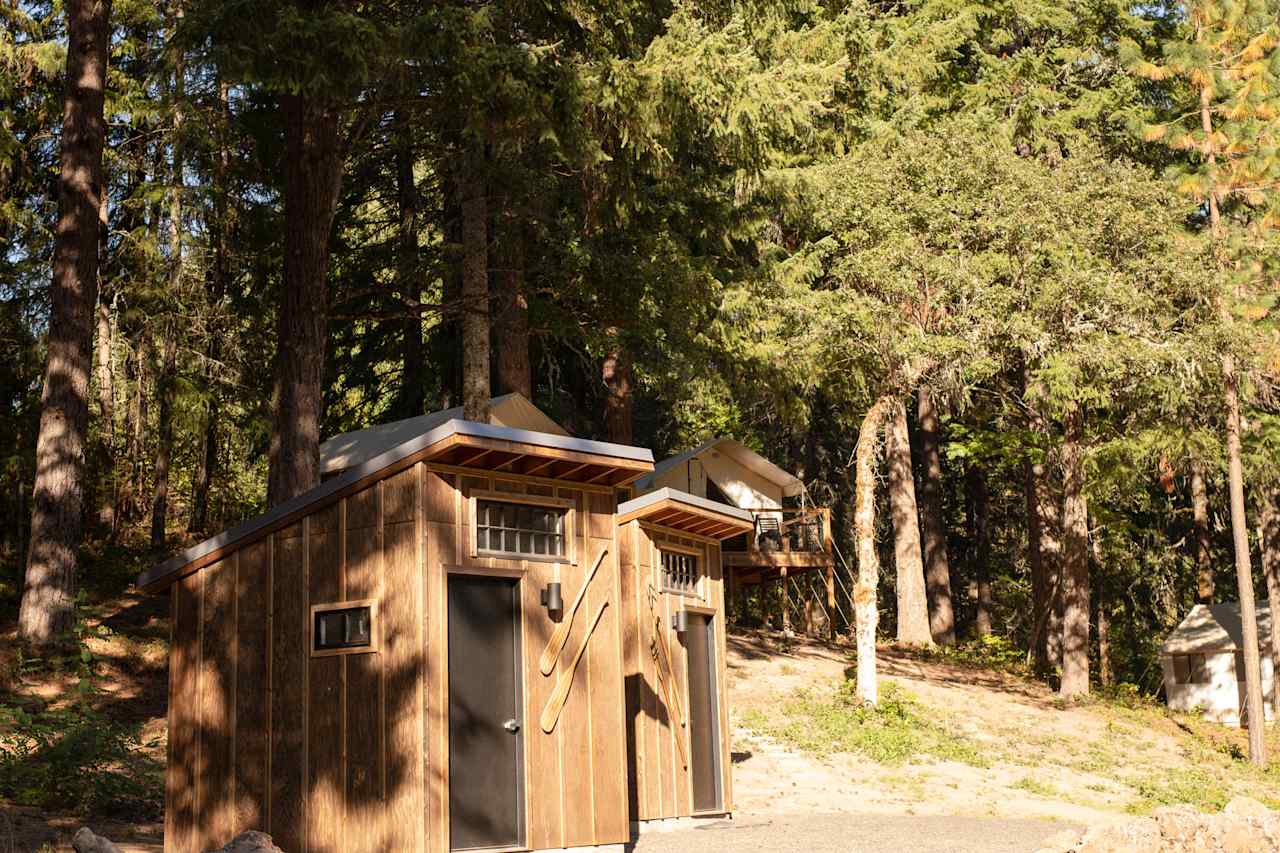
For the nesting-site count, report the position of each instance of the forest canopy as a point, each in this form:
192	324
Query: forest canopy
1027	246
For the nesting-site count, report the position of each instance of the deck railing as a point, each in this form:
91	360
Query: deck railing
805	531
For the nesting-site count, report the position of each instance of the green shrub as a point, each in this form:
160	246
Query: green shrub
72	757
992	652
1192	787
894	730
78	760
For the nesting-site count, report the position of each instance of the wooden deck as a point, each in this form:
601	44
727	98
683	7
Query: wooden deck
777	559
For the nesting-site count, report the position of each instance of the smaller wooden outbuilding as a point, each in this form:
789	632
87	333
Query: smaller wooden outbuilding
674	653
1203	663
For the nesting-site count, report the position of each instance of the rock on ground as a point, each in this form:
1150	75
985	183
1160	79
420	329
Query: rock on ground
1244	826
250	842
85	841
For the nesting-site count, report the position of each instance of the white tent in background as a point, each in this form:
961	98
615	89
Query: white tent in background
1203	662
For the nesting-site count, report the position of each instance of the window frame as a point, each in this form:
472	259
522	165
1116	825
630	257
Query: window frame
569	507
375	628
699	569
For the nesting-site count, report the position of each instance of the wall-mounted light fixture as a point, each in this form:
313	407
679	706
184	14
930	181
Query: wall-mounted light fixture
551	597
681	621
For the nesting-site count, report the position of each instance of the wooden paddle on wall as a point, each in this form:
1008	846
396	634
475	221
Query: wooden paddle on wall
551	653
668	690
661	643
555	702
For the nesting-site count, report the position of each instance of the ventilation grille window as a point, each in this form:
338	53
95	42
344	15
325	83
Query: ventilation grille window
679	572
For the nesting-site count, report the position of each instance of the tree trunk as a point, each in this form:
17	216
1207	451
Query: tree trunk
616	373
913	605
1235	487
164	436
979	511
313	177
865	610
138	424
1200	520
1244	569
942	620
512	339
48	599
206	467
412	399
207	455
1075	560
1044	550
106	383
1106	676
169	366
1269	541
475	292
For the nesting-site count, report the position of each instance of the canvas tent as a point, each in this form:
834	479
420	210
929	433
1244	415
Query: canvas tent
1203	663
737	475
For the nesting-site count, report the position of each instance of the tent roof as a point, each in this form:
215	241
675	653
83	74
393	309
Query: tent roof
689	513
737	451
353	448
1214	628
464	444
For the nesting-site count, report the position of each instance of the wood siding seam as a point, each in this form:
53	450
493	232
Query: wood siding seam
342	675
419	644
380	661
270	669
199	715
234	650
305	794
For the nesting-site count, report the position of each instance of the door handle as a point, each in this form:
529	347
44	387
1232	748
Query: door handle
511	726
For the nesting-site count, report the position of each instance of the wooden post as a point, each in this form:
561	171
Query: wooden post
786	605
831	602
729	589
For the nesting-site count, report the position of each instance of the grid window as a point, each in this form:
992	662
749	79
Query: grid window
1190	669
679	572
523	529
350	628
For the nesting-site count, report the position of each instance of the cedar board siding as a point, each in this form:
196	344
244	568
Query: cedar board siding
659	786
351	751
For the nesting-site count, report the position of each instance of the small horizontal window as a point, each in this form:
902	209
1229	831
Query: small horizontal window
526	530
349	628
679	572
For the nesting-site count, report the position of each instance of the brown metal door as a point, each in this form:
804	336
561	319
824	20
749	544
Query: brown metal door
486	780
704	714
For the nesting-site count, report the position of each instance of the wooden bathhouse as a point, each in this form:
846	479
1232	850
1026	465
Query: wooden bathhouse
450	645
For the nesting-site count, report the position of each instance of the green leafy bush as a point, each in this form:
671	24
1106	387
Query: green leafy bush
1192	787
72	757
894	730
79	760
993	652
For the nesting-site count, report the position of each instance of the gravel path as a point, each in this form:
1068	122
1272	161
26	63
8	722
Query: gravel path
849	833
